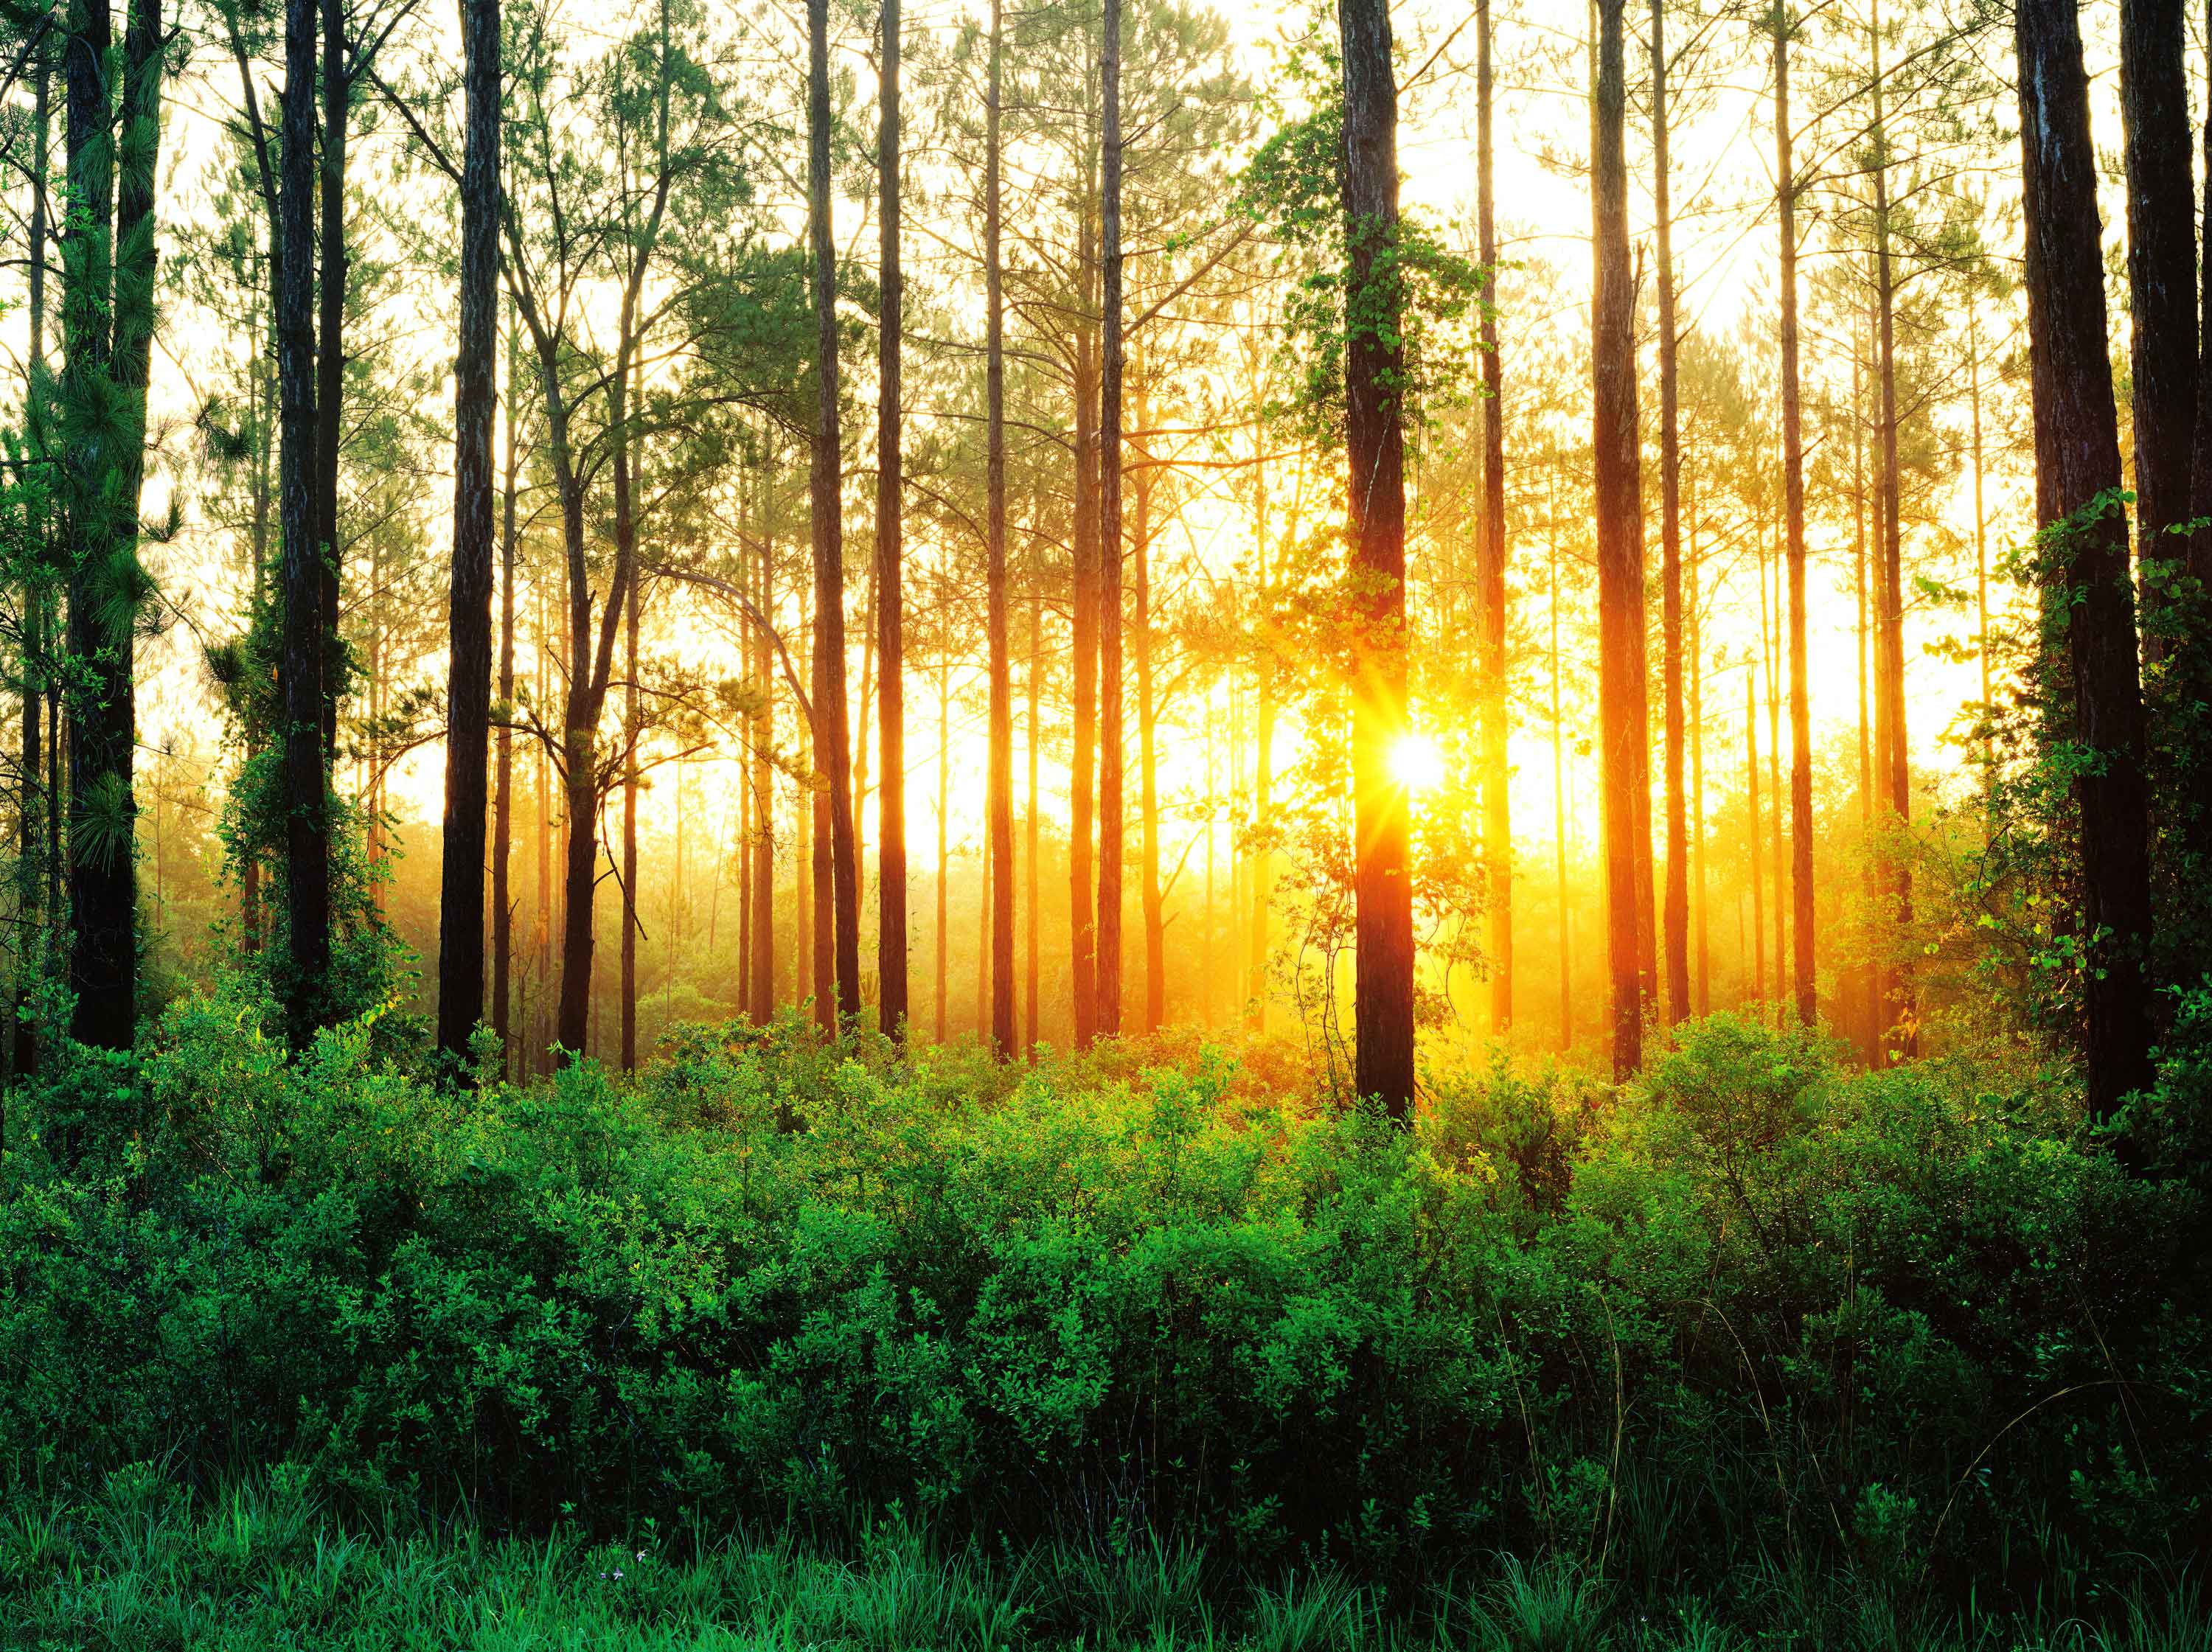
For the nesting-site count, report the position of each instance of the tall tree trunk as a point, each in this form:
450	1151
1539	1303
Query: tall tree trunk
1148	779
1694	626
1793	488
1490	577
1757	993
468	693
832	731
891	602
1107	1016
1376	519
502	912
330	368
1559	809
944	807
629	833
1975	456
2161	265
1621	548
1033	686
1676	904
761	938
1897	1011
1084	627
304	647
2077	457
1001	777
31	951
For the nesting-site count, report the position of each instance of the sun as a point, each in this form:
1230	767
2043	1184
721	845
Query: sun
1417	762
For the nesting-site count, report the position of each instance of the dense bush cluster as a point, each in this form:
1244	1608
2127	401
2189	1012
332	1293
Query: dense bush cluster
1754	1305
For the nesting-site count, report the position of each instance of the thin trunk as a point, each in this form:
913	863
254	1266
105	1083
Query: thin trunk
1490	577
629	833
1030	827
1107	1016
1156	937
1376	519
502	914
1083	758
1693	623
943	805
1757	993
1000	781
1897	1013
832	728
329	399
891	602
1559	809
305	651
1988	742
1793	480
2162	267
468	691
32	952
760	843
1676	912
1620	551
2077	480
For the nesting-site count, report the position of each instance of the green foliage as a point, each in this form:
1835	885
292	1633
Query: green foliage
1753	1308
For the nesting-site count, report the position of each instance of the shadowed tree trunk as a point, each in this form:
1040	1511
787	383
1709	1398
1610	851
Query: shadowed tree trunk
1148	778
330	368
33	958
1497	722
1001	778
468	692
891	604
1793	488
629	831
2162	266
1107	1016
832	731
502	914
1620	547
1033	688
1375	521
2078	464
1675	903
305	648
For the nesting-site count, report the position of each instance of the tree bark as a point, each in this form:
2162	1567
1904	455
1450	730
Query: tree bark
890	603
1496	722
1107	1018
1083	628
502	912
468	692
1793	488
330	365
1030	827
1620	547
1375	521
761	1006
31	954
1675	906
1897	1013
832	731
2161	265
306	645
1148	783
2077	485
1001	777
630	823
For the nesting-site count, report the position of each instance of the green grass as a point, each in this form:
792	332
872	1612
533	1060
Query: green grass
149	1569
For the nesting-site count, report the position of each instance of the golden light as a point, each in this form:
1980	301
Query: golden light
1417	762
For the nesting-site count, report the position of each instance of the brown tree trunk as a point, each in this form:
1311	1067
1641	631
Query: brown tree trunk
1084	627
31	954
1559	810
1030	827
1148	803
1793	486
1620	549
1757	993
2162	266
630	823
832	731
1490	576
1001	778
329	375
502	914
468	691
304	647
1896	784
1107	1016
1375	519
891	601
761	844
1676	902
2077	456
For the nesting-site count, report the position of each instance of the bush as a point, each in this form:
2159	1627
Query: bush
1755	1306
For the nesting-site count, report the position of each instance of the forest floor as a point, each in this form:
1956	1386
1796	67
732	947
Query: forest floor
258	1571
